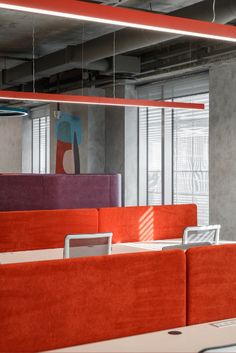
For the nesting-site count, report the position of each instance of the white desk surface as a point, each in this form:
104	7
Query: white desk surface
56	254
193	339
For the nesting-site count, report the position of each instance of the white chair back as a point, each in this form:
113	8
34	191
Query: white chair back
209	234
82	245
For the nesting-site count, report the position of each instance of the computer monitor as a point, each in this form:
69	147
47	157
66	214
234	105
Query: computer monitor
82	245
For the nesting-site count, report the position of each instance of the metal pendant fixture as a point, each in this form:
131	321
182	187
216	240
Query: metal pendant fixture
80	10
9	112
93	100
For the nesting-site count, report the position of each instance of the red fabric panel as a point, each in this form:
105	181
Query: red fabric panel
53	304
142	223
126	223
30	230
171	220
211	278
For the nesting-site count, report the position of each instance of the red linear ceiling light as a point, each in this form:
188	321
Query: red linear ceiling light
92	100
123	17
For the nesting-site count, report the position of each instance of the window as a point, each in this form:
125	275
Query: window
173	146
41	141
191	130
150	120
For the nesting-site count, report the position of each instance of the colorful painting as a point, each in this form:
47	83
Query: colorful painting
68	133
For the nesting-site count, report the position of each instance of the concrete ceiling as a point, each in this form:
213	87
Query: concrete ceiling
163	6
51	33
54	34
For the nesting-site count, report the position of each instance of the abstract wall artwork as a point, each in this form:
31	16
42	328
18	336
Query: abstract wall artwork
68	134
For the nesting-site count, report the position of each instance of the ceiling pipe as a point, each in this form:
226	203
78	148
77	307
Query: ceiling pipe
127	40
51	64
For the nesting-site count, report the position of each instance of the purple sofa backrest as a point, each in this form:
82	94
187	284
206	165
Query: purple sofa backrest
44	192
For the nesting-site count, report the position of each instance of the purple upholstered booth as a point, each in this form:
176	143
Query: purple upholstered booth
57	191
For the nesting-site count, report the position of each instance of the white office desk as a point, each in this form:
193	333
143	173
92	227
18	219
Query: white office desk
56	254
193	339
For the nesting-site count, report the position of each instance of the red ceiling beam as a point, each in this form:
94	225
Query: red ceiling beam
92	100
124	17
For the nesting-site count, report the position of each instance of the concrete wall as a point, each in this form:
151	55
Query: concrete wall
122	143
10	145
96	139
222	153
115	140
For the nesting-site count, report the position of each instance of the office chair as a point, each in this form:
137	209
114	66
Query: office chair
82	245
202	234
197	236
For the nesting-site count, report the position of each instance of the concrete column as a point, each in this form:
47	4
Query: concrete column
10	145
222	158
26	145
96	137
122	143
53	140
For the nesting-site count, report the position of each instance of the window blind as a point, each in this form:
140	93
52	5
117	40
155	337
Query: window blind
175	145
40	141
191	130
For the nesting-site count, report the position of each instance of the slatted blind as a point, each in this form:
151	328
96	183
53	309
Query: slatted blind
154	156
175	88
143	151
41	141
176	141
191	131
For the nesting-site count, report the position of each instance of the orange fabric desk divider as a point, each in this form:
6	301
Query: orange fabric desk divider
55	304
46	229
31	230
211	283
132	224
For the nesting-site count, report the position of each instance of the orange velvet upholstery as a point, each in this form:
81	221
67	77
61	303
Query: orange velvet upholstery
53	304
211	283
30	230
146	222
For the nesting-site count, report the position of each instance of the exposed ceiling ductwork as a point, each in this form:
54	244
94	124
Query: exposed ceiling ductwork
166	6
128	40
96	52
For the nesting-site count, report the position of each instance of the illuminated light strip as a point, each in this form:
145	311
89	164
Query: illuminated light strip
8	111
123	17
74	99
